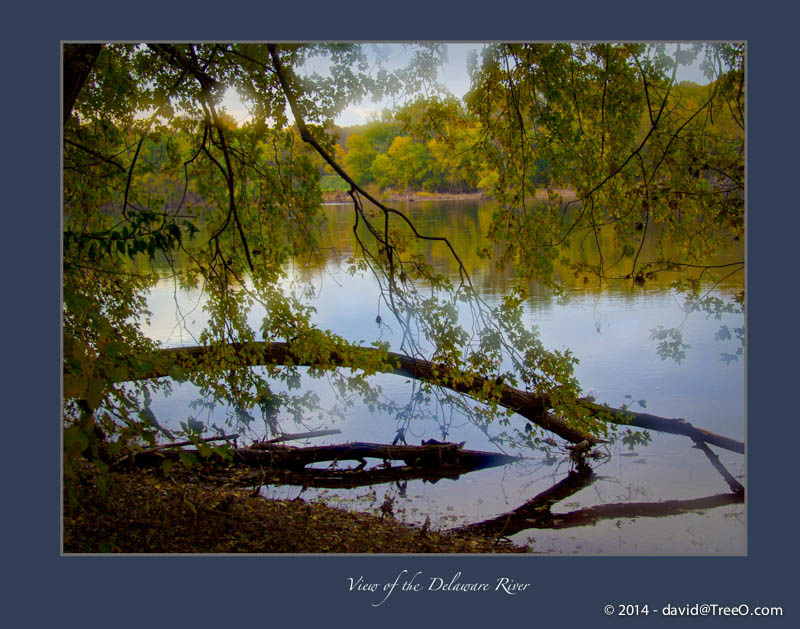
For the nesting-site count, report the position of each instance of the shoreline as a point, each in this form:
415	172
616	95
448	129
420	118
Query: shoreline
329	198
339	198
147	511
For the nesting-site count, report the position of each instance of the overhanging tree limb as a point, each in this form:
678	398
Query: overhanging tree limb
307	137
531	406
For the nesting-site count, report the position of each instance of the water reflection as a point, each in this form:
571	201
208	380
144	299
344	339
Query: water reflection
466	222
609	327
538	513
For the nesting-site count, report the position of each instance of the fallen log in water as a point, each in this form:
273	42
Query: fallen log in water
268	456
533	407
435	456
333	478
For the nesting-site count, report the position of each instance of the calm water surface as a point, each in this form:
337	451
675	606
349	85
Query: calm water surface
608	329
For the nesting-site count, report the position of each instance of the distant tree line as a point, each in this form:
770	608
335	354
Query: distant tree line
432	145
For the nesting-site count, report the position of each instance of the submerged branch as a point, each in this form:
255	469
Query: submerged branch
735	485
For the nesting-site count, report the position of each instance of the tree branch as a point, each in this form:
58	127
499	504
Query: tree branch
107	160
531	406
308	138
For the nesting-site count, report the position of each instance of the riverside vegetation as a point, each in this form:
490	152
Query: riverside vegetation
154	168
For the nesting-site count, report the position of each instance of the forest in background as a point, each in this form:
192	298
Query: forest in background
427	147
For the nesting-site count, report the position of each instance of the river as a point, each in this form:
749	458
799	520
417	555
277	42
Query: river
609	329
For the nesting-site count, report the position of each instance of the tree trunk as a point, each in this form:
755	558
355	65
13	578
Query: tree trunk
78	62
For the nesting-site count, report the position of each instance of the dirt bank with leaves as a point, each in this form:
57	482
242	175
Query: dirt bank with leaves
148	512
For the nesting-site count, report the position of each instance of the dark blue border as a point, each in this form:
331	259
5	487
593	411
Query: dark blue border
212	592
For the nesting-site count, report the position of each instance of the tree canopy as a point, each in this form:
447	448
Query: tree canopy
154	167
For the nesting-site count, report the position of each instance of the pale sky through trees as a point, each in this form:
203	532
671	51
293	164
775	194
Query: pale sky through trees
453	74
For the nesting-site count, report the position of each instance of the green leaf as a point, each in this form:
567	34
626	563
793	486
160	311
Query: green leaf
187	458
114	349
178	373
94	392
75	441
223	452
175	232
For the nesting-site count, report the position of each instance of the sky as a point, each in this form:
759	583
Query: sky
453	74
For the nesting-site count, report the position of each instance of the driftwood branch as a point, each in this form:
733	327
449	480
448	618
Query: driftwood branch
429	455
288	457
282	465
